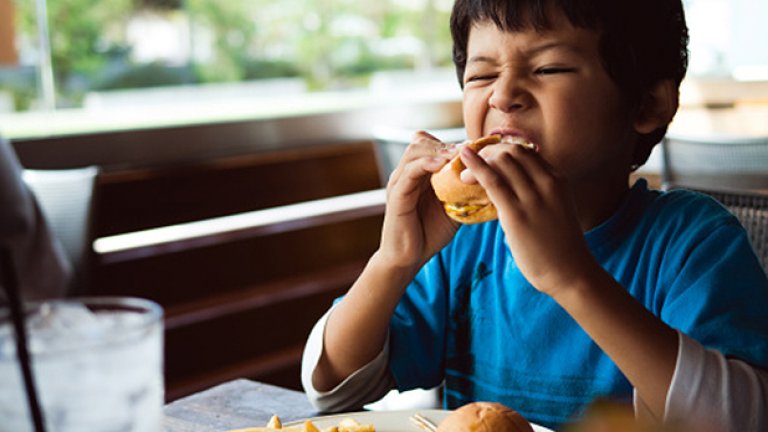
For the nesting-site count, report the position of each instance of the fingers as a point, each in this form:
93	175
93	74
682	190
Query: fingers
416	173
424	156
425	144
507	172
430	153
415	224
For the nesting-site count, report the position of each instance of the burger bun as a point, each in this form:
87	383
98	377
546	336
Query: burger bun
484	417
468	203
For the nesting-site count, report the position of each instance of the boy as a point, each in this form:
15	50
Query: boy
584	287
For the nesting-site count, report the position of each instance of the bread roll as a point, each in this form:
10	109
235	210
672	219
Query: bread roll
468	203
484	417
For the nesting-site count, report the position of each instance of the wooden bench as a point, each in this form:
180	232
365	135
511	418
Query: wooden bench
244	254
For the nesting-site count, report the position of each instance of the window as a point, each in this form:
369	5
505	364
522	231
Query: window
728	38
98	50
84	59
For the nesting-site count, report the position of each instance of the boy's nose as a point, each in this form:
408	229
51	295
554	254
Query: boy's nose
509	95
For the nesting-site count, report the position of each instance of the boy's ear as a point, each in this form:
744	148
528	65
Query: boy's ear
658	107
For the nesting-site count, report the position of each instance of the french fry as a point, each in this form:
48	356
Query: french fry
351	425
358	428
348	423
266	429
302	428
275	423
345	425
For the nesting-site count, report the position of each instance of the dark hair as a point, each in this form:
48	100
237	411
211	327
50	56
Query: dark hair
641	41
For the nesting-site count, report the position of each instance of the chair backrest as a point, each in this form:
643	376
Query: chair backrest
752	211
66	199
391	143
715	162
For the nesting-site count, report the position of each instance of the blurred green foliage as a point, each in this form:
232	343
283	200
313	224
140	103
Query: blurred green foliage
328	43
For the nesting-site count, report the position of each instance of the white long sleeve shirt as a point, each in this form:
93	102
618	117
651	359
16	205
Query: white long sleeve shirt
725	394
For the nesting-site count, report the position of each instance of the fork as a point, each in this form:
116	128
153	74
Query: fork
423	423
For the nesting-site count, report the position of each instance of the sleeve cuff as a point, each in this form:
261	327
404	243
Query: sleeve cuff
679	396
369	383
709	390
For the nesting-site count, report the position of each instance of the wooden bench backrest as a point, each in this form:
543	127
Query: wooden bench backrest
239	303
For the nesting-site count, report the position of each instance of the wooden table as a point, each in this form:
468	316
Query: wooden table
236	404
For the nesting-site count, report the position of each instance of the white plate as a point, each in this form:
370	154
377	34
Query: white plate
387	421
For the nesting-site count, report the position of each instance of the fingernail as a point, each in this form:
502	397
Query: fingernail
447	148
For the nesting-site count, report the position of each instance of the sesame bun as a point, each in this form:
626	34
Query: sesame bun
484	417
467	203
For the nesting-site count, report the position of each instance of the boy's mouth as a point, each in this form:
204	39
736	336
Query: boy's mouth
510	132
509	136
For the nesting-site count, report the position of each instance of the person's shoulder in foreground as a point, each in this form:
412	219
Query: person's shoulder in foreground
42	269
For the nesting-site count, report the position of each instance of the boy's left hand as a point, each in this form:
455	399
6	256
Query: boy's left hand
536	212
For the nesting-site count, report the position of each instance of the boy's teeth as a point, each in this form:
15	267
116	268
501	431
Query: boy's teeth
509	139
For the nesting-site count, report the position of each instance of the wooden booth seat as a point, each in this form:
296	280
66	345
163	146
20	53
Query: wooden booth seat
244	253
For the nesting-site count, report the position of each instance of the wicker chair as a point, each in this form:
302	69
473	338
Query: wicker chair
734	170
715	162
751	209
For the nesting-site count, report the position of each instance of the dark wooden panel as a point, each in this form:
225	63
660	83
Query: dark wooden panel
238	308
258	332
240	227
186	276
244	304
264	295
136	199
215	345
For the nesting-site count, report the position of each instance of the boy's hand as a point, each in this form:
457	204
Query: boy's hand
415	225
536	212
415	228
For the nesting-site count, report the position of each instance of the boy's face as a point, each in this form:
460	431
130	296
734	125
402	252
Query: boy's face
551	88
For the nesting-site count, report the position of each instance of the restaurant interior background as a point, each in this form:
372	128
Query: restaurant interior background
236	150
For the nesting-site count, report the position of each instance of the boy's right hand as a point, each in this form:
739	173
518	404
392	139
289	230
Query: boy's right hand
415	224
415	228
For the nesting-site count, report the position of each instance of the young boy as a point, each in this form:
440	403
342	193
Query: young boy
583	287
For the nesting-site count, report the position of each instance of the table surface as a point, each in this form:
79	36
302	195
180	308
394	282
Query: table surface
236	404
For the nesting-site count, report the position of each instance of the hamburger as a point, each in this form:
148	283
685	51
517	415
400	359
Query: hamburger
468	203
484	417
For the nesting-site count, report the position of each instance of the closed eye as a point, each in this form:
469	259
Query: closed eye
554	70
476	78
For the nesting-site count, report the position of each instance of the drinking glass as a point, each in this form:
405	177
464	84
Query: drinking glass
97	364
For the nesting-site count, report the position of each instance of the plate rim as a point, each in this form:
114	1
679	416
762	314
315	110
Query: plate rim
342	415
403	412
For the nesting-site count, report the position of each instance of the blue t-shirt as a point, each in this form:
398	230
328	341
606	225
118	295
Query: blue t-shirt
472	320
